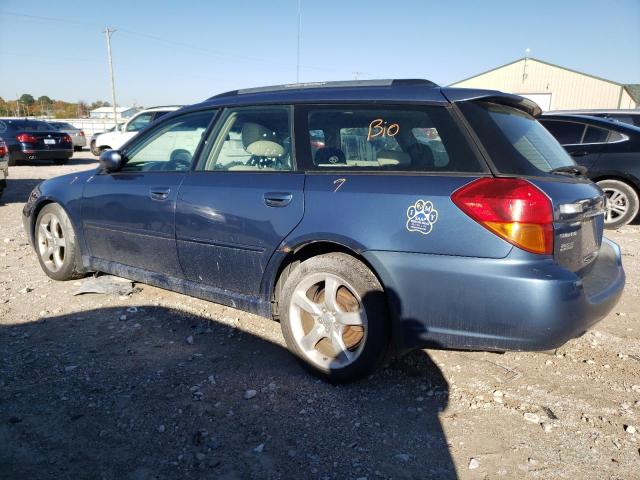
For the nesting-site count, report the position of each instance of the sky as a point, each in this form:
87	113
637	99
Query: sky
183	52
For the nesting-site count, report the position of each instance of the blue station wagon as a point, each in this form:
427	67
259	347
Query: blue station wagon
366	217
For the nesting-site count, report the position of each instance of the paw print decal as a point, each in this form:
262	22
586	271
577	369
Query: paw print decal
421	216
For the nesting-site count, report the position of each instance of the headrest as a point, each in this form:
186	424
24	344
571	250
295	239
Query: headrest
329	155
393	157
180	154
258	140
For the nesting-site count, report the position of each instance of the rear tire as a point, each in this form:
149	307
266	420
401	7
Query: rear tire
622	203
333	316
55	244
77	149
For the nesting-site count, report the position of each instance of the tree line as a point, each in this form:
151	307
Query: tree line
29	106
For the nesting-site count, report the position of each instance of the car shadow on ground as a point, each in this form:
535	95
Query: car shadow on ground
152	392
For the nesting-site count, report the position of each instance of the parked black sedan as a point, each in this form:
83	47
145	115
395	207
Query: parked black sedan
35	140
610	151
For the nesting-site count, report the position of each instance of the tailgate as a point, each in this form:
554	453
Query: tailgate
578	221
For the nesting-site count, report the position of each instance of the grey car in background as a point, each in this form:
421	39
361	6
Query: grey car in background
77	135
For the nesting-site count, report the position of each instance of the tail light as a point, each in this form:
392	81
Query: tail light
26	138
3	149
65	139
512	208
81	133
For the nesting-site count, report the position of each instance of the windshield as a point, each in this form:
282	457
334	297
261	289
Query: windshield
516	142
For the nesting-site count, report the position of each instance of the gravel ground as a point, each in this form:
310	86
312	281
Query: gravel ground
157	385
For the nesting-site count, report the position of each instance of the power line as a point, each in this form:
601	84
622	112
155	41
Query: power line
186	45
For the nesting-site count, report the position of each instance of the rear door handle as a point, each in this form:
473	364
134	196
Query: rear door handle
159	193
277	199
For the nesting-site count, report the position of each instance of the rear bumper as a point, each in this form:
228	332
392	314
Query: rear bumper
27	154
495	304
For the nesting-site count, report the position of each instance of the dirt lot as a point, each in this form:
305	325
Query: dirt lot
155	385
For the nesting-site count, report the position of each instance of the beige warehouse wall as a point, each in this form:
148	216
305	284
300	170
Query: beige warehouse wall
569	90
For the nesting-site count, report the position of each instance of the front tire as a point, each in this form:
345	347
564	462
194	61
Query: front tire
55	243
333	316
622	203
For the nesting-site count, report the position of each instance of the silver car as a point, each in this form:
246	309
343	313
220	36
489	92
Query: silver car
77	136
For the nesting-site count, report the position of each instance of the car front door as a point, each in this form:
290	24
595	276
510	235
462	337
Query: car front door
129	215
241	201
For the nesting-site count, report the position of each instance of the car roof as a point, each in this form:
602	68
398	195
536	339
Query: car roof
595	121
404	91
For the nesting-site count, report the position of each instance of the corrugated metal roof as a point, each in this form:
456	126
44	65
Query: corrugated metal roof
546	63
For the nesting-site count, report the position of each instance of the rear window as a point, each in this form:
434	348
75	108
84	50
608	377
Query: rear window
422	139
29	126
517	143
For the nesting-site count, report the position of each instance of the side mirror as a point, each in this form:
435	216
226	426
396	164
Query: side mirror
111	161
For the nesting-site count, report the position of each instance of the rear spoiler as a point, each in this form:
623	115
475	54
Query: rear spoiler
494	96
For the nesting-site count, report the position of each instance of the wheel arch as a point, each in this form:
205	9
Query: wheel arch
301	252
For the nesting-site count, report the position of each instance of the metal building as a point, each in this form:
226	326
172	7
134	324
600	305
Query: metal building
554	87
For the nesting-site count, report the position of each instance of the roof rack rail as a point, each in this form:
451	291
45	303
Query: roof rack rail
163	106
334	84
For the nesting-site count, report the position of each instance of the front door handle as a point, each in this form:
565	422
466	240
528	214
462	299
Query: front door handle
159	193
277	199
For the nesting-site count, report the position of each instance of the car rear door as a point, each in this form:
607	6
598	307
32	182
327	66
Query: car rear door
129	215
241	201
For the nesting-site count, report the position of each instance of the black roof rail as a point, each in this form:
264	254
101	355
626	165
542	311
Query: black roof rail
399	82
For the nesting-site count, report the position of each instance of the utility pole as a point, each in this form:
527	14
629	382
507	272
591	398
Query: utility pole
299	35
107	33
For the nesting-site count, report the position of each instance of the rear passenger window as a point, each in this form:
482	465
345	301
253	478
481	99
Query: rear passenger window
567	133
252	139
595	135
422	139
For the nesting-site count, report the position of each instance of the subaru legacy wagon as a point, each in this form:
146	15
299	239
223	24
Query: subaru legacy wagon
366	217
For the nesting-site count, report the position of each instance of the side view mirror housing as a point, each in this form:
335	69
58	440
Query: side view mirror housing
111	161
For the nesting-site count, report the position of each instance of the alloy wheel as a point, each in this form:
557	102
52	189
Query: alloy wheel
51	242
617	204
328	321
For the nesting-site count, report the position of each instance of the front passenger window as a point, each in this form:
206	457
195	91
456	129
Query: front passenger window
170	147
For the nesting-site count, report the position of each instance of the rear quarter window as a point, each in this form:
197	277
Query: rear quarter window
385	139
516	142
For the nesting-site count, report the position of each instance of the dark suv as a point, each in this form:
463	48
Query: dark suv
35	140
361	215
610	151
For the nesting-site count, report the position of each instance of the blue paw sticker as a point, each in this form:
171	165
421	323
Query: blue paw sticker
421	216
